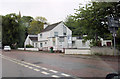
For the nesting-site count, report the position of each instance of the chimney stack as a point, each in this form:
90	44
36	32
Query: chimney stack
45	25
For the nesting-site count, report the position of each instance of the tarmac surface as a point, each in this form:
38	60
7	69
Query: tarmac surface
56	65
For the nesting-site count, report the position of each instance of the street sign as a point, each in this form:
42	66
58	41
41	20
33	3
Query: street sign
113	29
113	22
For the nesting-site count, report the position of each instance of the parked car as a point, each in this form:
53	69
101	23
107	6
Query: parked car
8	48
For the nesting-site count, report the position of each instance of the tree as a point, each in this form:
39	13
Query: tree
91	20
41	19
26	20
35	27
12	31
74	25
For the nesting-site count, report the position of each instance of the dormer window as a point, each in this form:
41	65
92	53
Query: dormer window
40	35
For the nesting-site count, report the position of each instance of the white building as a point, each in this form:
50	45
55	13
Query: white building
78	42
31	40
59	36
56	35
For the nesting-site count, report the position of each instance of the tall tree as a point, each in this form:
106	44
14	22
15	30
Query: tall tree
12	31
41	19
92	20
35	27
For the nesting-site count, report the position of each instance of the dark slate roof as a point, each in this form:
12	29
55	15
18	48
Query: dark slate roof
34	38
50	27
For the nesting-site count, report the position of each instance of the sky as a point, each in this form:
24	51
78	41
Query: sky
53	10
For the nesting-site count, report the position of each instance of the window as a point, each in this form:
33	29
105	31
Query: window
41	45
61	39
64	30
64	33
55	34
53	43
40	35
45	42
35	44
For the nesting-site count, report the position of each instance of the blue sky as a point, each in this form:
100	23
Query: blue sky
52	10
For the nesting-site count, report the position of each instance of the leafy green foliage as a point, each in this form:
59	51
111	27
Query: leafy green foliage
29	46
41	19
91	21
12	31
35	27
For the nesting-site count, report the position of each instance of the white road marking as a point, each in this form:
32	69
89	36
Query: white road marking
44	68
43	72
55	76
36	70
26	64
31	64
38	66
30	67
21	64
53	71
65	74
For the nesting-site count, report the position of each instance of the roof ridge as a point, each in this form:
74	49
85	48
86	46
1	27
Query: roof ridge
50	27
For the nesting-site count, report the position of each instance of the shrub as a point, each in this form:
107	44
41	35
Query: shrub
29	46
98	54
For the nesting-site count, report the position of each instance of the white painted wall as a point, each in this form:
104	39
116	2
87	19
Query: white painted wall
28	41
47	36
77	51
59	29
31	49
104	42
79	43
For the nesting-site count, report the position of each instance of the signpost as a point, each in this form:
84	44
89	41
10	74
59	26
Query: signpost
113	23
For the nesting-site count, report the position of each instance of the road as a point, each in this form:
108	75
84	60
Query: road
39	64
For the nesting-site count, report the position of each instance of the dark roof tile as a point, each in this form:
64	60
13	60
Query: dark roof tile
34	38
50	27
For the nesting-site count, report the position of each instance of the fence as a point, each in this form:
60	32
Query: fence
30	49
93	51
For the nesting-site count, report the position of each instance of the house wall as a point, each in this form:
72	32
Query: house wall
78	43
44	44
81	44
28	41
59	28
44	39
45	36
48	37
104	42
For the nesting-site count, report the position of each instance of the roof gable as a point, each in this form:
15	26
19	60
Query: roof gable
33	37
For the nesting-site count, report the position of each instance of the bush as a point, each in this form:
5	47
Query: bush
29	46
98	54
